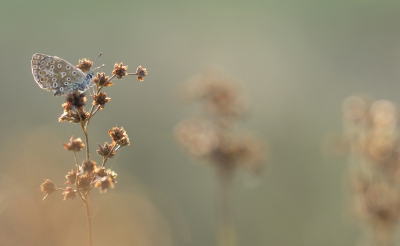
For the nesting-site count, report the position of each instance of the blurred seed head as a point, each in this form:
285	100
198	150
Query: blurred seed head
69	193
47	187
71	177
199	137
84	182
88	166
74	144
220	96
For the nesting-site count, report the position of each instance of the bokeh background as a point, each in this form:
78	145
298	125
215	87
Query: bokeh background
296	61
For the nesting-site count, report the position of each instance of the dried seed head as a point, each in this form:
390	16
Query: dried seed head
75	99
69	193
100	171
100	99
102	80
112	175
119	136
84	182
71	177
84	65
74	117
88	166
221	97
104	184
74	144
140	73
120	70
47	187
105	150
199	137
243	150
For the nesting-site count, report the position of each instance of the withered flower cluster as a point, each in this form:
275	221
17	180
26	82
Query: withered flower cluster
373	143
89	174
213	135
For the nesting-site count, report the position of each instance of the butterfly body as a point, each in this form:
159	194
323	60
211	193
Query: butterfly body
54	74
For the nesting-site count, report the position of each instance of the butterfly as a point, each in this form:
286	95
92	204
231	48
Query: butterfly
54	74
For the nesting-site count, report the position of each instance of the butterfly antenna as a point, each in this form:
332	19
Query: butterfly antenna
96	60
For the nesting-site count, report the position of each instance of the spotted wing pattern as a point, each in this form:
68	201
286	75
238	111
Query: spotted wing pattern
54	74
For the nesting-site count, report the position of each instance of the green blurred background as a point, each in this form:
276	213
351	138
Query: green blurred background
296	61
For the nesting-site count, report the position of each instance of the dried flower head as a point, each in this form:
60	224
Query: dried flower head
119	136
84	182
88	166
47	187
69	193
76	99
120	70
100	99
140	73
199	137
104	183
84	65
74	117
106	151
102	80
244	150
112	175
221	98
100	171
71	177
74	144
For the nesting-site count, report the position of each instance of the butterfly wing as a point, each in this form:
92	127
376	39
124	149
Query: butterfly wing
54	74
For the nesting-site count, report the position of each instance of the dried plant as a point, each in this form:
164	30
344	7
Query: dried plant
373	144
87	174
214	137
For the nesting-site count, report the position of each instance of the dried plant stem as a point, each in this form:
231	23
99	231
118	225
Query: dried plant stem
89	221
87	143
225	228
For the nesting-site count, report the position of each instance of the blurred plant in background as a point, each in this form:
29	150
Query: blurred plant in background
214	136
373	144
88	175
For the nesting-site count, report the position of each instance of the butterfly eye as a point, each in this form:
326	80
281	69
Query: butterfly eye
68	79
59	65
54	79
68	67
61	88
42	62
74	73
55	84
66	83
51	75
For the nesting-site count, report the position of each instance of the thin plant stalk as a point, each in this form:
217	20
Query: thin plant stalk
89	221
225	224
